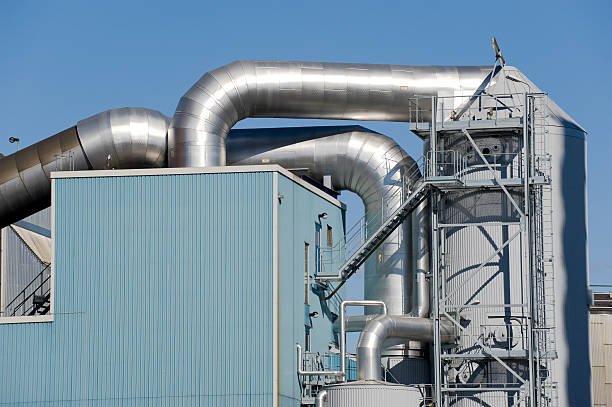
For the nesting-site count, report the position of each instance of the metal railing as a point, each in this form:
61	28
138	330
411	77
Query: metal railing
333	257
472	111
23	303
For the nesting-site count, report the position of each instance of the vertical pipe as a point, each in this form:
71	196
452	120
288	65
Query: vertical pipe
433	145
436	299
343	306
527	244
321	399
433	137
421	260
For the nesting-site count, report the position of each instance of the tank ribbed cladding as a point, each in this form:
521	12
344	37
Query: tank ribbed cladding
116	138
566	144
224	96
370	393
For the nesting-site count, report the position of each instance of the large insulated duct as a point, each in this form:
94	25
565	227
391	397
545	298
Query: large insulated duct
358	160
117	138
385	327
219	99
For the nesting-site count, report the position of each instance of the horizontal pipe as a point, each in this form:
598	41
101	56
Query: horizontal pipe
219	99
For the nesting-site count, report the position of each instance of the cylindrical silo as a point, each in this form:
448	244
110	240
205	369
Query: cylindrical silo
372	393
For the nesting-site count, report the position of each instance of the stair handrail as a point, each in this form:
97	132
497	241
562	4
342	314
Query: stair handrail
342	277
357	234
22	292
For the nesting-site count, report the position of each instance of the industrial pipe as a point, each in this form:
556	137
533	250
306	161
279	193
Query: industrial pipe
420	251
321	399
386	327
357	159
373	166
118	138
219	99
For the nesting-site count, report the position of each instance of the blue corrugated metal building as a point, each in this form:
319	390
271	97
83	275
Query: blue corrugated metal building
174	287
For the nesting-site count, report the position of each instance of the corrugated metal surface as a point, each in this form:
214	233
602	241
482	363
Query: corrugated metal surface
164	294
158	279
39	244
487	398
368	394
601	358
19	264
498	282
298	213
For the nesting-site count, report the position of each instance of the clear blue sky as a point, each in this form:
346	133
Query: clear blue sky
64	60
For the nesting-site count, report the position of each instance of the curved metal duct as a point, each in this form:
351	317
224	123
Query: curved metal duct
124	138
221	98
384	327
117	138
358	160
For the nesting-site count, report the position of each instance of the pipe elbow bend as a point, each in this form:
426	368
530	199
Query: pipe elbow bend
124	138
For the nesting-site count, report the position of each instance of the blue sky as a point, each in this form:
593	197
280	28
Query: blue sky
61	61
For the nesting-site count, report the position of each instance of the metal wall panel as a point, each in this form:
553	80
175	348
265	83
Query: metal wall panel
298	214
18	264
159	279
601	358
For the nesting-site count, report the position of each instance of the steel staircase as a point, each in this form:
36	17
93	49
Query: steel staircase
34	299
386	228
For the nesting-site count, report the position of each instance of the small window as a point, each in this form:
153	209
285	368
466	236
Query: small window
330	236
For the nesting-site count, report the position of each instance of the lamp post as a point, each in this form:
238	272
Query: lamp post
13	140
515	79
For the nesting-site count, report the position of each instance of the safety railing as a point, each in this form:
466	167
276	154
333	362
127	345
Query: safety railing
471	110
504	333
400	186
23	303
443	163
450	165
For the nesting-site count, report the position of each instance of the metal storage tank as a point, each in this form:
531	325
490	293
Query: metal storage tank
368	394
566	143
559	149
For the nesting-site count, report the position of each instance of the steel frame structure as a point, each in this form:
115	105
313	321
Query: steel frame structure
532	387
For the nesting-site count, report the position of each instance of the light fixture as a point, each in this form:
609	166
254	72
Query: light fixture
323	215
14	140
515	79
